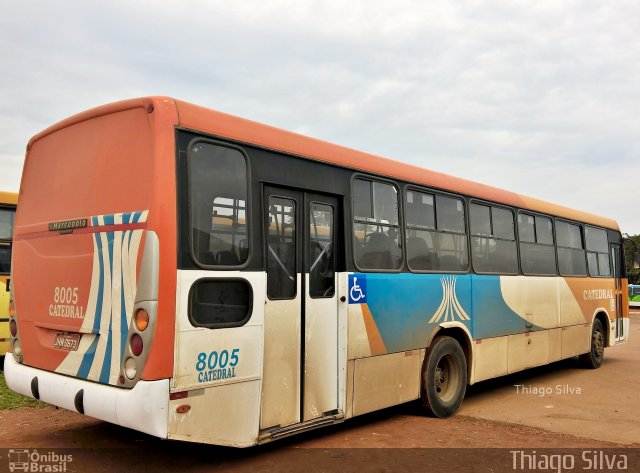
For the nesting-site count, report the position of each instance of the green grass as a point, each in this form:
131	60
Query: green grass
11	400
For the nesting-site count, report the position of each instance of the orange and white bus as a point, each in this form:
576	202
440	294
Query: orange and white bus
8	201
202	277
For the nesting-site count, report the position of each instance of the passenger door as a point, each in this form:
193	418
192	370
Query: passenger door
300	372
616	257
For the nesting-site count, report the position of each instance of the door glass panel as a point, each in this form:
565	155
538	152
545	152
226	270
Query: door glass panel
281	249
321	251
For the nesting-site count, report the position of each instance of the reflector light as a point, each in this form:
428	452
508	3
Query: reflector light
136	344
17	348
130	368
13	327
183	409
142	320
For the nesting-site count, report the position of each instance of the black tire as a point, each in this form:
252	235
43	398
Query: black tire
444	378
593	359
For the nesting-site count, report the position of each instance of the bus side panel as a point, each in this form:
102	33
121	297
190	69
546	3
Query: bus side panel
524	321
163	220
218	371
594	296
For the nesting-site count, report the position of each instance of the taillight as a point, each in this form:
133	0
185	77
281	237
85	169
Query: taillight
142	320
13	327
12	309
136	344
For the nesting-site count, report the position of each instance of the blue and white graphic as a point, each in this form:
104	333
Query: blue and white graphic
357	289
450	308
111	298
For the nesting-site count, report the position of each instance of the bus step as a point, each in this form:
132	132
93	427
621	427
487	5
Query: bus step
279	432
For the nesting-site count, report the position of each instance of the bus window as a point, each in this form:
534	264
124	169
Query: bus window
7	217
571	257
220	303
376	227
537	254
281	249
493	245
597	251
432	246
321	257
218	192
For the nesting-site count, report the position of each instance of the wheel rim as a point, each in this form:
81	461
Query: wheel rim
446	378
598	343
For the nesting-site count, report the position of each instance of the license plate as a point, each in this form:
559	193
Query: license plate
67	341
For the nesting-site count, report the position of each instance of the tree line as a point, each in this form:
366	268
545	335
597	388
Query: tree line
631	246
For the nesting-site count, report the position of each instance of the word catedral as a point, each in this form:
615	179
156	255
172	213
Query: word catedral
597	294
595	460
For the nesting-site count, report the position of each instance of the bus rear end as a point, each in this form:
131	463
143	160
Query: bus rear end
92	335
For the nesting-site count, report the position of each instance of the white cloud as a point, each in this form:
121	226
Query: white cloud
538	97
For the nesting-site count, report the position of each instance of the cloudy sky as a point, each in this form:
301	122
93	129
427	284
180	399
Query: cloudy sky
542	97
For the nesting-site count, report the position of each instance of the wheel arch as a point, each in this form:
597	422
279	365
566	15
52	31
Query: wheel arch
461	334
602	315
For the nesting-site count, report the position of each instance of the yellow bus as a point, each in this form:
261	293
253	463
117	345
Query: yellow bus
8	202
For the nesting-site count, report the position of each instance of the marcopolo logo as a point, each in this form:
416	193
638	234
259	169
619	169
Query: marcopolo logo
41	462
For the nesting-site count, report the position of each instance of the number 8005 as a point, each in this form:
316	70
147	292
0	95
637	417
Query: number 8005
214	360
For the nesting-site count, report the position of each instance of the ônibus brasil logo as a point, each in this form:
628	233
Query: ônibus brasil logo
41	462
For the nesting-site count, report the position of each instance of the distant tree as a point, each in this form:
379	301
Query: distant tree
631	246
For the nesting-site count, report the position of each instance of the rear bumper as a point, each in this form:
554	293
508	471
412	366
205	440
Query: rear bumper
143	408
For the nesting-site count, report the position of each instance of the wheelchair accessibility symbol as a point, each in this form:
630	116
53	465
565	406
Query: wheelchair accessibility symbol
357	289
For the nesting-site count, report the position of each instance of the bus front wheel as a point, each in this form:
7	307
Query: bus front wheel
593	359
444	378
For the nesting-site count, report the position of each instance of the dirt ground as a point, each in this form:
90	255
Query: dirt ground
495	420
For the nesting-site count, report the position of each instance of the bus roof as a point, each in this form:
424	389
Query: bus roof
8	198
223	125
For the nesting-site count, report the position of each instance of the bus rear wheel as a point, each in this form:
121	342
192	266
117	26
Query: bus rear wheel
593	359
444	378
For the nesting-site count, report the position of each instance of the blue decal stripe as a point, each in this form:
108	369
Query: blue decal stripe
124	328
105	257
98	315
87	359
